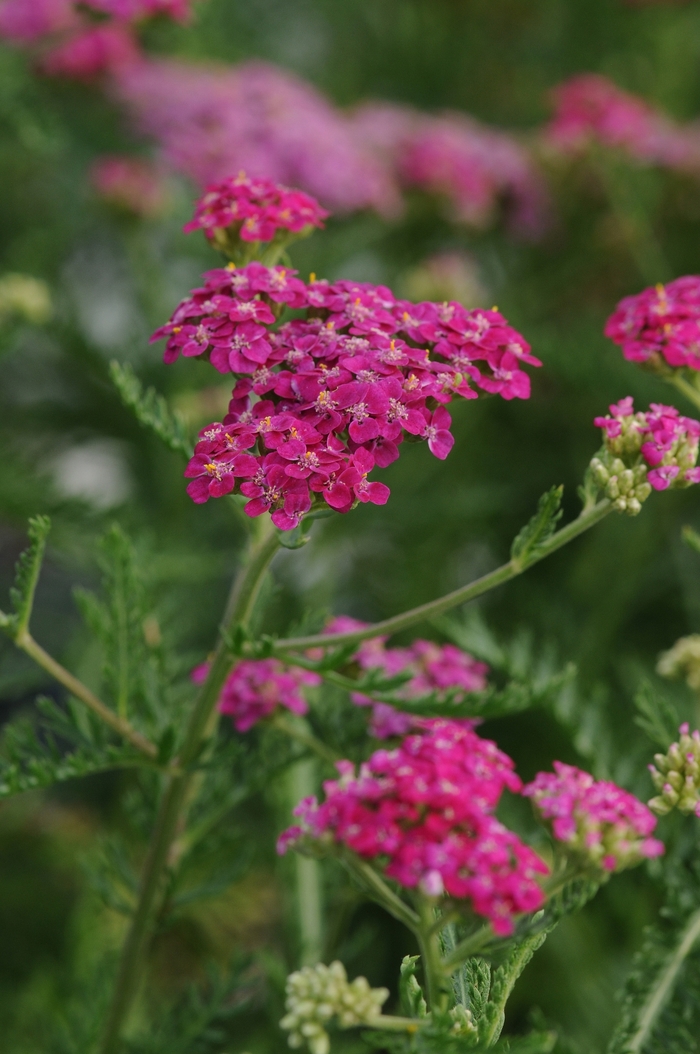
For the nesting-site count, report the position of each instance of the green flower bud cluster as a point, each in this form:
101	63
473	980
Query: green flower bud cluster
682	660
316	994
463	1022
626	487
676	775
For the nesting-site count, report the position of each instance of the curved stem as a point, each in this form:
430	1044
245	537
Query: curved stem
437	978
688	389
664	986
175	795
26	642
458	596
301	733
380	892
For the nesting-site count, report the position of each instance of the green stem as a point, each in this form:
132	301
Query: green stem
299	731
437	978
378	890
309	891
661	991
458	596
26	642
688	389
177	789
390	1023
471	945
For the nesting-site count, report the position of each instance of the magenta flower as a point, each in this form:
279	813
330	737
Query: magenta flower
596	820
657	448
92	52
254	210
424	814
440	668
256	118
24	21
592	109
337	389
660	324
256	687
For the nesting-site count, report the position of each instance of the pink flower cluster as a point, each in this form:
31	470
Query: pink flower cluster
256	208
439	668
661	323
336	390
257	118
256	687
597	820
667	441
592	109
424	812
473	166
79	46
129	183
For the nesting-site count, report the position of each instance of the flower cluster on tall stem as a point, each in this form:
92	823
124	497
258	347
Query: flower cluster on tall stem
596	821
660	327
322	398
424	812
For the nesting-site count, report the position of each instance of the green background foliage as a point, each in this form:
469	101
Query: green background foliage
608	603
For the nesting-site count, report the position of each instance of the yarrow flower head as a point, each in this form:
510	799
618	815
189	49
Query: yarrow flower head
442	669
676	775
660	327
592	109
596	821
321	399
424	813
255	688
239	213
655	449
318	994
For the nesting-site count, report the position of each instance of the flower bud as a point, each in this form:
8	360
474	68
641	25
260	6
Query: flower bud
316	994
682	660
676	774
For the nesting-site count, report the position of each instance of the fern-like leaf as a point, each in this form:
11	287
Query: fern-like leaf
150	408
26	577
528	544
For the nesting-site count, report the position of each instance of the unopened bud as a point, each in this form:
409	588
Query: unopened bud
676	775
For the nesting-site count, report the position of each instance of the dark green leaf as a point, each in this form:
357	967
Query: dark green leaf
150	408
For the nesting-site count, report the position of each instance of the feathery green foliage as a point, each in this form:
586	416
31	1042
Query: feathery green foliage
26	577
528	543
150	408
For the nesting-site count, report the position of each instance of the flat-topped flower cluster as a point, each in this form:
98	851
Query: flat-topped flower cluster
254	210
255	688
442	669
596	820
655	449
319	400
425	812
661	325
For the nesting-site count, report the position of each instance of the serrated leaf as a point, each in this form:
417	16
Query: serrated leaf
413	1002
150	408
504	978
26	576
657	716
528	544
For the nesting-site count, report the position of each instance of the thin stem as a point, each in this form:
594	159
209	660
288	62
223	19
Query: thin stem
309	890
26	642
437	980
688	389
379	891
664	986
458	596
301	733
178	787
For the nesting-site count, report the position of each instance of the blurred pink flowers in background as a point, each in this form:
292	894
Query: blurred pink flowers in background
590	109
131	184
